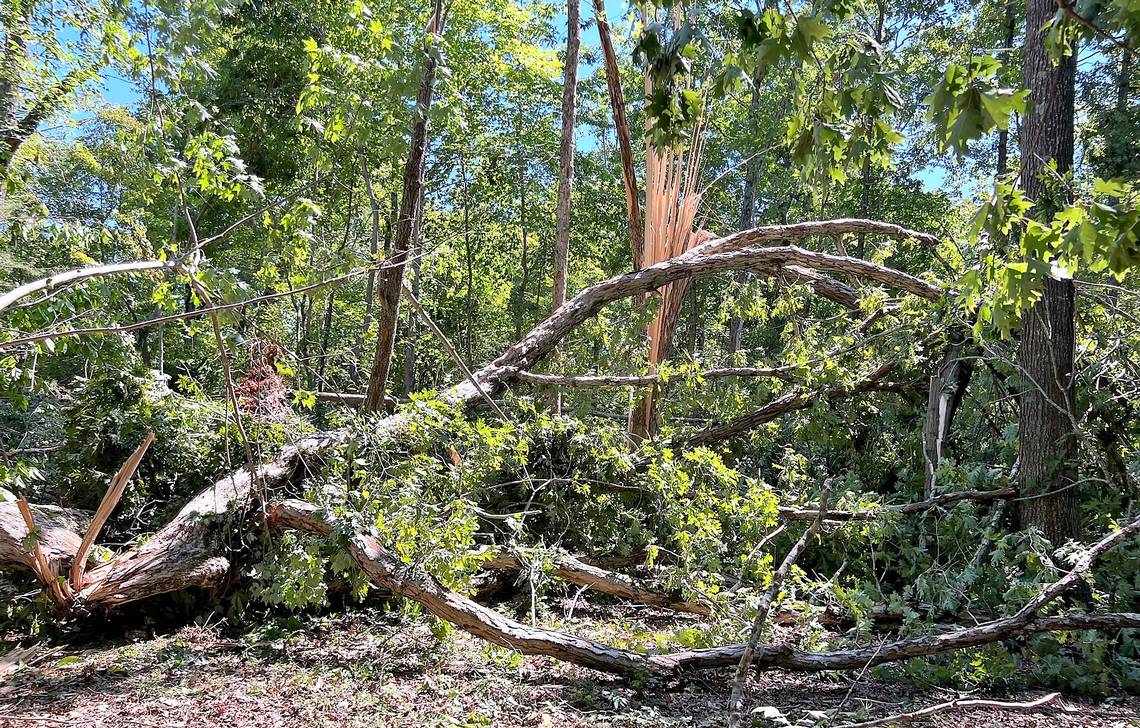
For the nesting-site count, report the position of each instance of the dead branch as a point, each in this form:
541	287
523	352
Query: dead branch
825	228
576	571
736	699
823	286
808	513
183	316
952	706
589	381
79	275
790	402
388	572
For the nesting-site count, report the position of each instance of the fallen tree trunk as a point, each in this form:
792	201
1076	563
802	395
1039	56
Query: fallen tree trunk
58	534
191	551
388	572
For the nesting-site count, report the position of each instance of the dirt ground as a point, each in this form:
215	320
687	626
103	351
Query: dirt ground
374	669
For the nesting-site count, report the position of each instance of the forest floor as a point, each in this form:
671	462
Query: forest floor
376	669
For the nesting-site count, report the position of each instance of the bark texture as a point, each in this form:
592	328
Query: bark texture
392	277
1046	438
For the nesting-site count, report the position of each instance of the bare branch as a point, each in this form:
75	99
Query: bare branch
81	274
952	706
736	700
807	514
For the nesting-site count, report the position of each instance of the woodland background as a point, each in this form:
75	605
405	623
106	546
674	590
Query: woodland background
847	370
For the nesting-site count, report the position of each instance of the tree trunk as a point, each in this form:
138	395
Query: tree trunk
947	388
747	216
392	278
410	346
373	259
621	128
1046	437
524	282
565	170
1003	135
469	259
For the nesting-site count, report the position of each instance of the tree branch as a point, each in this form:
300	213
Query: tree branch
736	699
951	706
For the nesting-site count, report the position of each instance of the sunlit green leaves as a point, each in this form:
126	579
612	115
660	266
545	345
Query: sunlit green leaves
1098	234
966	103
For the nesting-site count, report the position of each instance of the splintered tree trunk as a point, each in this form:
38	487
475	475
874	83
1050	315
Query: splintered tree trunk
621	131
1046	437
565	169
947	388
392	278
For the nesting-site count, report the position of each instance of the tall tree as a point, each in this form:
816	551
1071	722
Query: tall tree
1046	436
747	212
16	127
566	166
392	278
1003	134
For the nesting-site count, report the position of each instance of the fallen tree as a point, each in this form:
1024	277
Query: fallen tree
191	550
388	572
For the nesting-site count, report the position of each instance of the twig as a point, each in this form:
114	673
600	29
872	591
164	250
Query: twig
736	701
1096	29
956	704
159	320
804	514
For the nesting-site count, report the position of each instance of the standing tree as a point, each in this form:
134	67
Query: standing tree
1046	424
392	278
566	166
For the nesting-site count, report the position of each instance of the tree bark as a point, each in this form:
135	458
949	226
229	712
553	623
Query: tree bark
747	213
624	140
373	257
947	388
524	282
1046	438
565	169
412	328
469	260
392	278
1003	135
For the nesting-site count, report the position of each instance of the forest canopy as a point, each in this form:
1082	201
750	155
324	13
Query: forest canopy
813	323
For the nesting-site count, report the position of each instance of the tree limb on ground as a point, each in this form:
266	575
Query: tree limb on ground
953	706
191	551
736	698
388	572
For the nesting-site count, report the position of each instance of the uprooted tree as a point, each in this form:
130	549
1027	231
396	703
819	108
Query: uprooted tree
900	435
